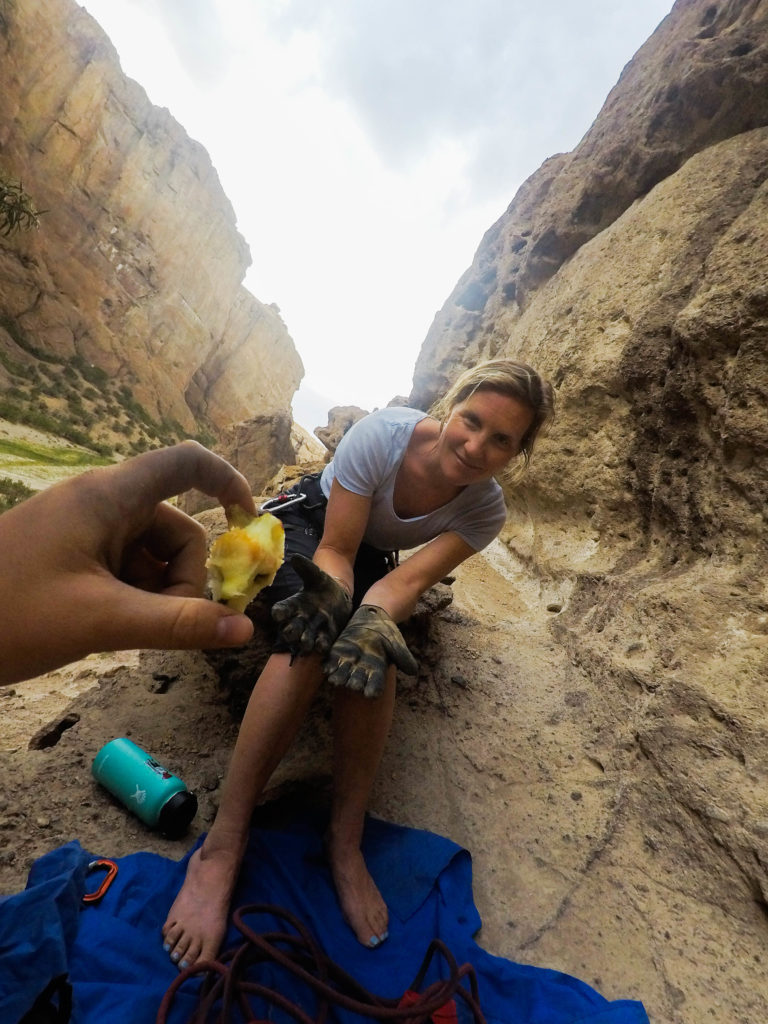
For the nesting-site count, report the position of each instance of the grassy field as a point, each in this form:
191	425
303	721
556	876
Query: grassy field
31	461
48	455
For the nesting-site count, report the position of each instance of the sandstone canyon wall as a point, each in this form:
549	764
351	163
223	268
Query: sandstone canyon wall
632	272
137	266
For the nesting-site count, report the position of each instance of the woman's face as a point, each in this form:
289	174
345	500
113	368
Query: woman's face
481	435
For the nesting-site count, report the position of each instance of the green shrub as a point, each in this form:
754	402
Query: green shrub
205	437
19	336
14	368
17	212
89	372
12	492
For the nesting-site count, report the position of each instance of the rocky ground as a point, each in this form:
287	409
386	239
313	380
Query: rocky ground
571	854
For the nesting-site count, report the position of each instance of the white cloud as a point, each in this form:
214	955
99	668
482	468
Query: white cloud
366	146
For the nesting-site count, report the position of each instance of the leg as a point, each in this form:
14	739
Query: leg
196	922
361	727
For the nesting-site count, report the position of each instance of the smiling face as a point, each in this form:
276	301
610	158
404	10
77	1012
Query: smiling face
481	435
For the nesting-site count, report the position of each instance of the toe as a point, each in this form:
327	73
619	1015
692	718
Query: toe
380	922
191	955
179	949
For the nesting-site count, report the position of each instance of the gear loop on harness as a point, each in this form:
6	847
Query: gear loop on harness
296	495
281	502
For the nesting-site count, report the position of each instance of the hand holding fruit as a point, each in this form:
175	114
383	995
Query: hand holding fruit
102	562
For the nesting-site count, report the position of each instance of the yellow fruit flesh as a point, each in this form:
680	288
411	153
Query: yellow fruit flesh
245	559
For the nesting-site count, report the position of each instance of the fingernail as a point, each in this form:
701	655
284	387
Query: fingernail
233	630
373	941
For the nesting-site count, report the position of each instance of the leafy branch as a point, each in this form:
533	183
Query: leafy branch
17	212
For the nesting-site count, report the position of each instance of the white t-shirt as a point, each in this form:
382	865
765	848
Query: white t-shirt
366	462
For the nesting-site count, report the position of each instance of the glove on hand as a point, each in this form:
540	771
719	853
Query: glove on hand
369	644
312	619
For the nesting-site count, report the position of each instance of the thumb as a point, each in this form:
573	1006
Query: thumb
402	657
138	619
311	575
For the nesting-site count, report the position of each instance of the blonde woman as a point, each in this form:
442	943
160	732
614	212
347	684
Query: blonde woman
400	479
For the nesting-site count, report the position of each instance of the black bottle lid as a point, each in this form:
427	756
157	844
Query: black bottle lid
176	814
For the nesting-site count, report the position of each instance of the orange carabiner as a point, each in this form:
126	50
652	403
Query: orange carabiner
111	867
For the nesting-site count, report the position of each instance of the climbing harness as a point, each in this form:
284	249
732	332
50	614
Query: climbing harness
297	495
282	502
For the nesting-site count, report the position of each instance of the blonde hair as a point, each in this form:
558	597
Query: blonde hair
505	377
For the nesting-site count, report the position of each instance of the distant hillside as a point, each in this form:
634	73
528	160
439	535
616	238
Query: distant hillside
132	285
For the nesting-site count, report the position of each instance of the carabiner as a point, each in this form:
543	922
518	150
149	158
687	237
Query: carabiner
281	502
102	862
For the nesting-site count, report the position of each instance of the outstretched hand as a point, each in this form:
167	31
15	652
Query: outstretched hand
360	657
101	562
311	619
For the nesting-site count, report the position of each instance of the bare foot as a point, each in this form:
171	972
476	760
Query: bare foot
197	920
361	902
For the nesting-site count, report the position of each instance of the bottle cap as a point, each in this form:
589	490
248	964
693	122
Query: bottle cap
176	814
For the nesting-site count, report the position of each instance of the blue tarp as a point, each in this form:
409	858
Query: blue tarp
113	949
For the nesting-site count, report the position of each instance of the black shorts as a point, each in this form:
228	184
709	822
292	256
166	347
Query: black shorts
304	524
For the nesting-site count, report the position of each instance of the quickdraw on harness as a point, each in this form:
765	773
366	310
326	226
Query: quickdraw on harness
231	989
288	499
282	502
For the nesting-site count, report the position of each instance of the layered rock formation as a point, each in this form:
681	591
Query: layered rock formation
700	79
137	266
340	419
632	272
589	717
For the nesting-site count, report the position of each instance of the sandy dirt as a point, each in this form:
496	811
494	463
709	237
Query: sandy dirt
517	757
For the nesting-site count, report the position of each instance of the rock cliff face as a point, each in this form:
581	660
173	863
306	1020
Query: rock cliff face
589	717
137	266
698	81
632	272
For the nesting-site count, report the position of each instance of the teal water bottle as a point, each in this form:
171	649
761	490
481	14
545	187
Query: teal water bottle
132	775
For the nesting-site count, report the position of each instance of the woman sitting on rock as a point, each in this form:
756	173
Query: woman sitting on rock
400	479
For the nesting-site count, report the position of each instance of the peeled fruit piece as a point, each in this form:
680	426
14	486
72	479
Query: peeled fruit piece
246	558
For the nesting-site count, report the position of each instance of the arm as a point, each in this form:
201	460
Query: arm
345	521
102	562
398	591
371	641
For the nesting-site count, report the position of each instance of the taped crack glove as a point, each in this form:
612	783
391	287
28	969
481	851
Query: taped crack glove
312	619
368	645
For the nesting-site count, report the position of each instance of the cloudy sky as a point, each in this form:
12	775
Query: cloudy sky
366	146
